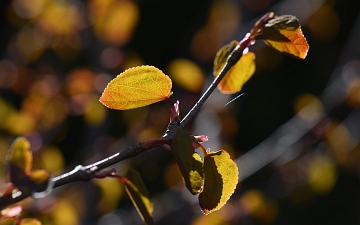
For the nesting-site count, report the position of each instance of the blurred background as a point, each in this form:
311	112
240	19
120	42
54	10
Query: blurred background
294	134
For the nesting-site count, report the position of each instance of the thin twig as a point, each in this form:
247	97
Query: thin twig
85	173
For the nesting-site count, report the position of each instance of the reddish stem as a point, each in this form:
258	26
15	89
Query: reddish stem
120	178
203	150
153	143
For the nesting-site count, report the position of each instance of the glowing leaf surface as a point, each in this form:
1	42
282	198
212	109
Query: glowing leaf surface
284	34
239	74
221	178
137	87
189	162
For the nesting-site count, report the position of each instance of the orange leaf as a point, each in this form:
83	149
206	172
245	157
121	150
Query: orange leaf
221	178
239	74
284	34
137	87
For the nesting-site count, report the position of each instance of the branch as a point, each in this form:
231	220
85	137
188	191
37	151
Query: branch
86	173
233	58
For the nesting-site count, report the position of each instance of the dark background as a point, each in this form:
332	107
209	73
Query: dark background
50	94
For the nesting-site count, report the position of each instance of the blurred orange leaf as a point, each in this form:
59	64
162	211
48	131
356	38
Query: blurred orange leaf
239	74
284	34
137	87
30	221
189	162
221	178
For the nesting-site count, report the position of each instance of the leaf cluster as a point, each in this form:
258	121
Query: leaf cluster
213	176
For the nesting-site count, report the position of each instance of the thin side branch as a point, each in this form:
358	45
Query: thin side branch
85	173
233	58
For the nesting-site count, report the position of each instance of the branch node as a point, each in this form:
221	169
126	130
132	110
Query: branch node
47	191
137	148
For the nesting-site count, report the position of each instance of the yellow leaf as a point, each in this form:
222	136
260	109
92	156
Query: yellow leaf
20	154
8	221
137	87
284	34
136	189
322	175
186	74
189	162
222	55
221	178
39	176
239	74
30	221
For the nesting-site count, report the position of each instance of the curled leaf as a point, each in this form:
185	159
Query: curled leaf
136	87
285	35
239	74
189	162
221	178
138	194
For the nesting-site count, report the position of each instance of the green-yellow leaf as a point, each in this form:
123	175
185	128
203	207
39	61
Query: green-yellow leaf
189	162
8	221
284	34
221	178
39	176
30	221
20	154
136	189
239	74
137	87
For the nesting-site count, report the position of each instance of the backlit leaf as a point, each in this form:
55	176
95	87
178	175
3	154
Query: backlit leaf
25	183
137	87
239	74
284	34
221	178
20	154
39	176
136	189
30	221
189	162
20	163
